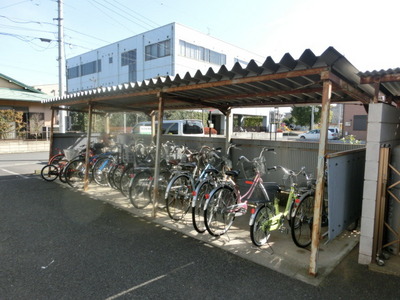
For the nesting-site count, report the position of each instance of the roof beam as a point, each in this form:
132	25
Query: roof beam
380	78
264	94
346	87
267	77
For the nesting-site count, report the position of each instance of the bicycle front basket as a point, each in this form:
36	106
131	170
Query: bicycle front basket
70	153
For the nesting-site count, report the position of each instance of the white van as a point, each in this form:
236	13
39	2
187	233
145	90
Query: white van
178	127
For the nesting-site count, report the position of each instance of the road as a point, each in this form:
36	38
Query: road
57	243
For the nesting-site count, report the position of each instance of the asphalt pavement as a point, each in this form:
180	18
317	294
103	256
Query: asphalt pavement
57	243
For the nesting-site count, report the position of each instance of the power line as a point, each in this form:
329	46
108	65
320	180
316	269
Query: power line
131	15
22	21
15	4
97	4
30	39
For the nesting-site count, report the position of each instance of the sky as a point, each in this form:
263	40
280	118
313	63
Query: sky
364	31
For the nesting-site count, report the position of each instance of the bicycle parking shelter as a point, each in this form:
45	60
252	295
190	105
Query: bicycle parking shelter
309	80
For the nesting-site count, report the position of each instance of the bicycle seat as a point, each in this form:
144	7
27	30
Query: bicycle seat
233	173
188	165
211	170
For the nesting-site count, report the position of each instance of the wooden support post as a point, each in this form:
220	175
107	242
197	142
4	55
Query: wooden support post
107	125
89	136
319	192
51	134
380	205
158	154
153	127
377	85
228	128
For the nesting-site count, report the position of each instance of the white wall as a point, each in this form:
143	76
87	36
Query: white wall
113	73
383	128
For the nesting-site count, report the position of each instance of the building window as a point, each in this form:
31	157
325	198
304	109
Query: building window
200	53
110	60
360	122
73	72
242	62
91	67
128	58
157	50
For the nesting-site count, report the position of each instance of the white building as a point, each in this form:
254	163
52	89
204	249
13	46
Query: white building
165	51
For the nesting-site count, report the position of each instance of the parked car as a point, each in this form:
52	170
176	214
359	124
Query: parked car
178	127
333	134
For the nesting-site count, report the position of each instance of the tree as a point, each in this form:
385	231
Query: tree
36	124
252	121
302	115
10	121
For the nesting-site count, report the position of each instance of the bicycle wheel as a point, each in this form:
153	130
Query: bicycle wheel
302	221
75	173
260	229
125	181
139	192
179	197
100	170
202	193
116	176
61	167
49	172
162	187
218	217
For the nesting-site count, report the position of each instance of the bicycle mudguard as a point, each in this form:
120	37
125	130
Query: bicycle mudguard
254	212
213	192
172	181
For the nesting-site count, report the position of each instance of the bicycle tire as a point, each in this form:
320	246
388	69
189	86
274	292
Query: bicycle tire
61	176
61	167
302	221
110	179
125	181
100	170
139	191
260	229
217	216
49	172
179	197
116	176
202	193
162	187
75	173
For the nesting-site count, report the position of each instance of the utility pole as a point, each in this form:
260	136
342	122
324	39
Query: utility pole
312	117
61	64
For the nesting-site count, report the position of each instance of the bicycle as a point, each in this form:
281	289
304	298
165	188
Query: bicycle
268	216
179	192
141	185
56	166
215	172
75	170
55	170
225	201
302	220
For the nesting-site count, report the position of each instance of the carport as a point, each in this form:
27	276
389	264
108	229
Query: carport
309	80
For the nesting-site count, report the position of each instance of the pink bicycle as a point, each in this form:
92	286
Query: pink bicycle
225	201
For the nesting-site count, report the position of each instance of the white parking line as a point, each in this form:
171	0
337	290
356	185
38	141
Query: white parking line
146	283
13	173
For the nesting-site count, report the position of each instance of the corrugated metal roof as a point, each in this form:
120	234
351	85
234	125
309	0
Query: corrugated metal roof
389	80
287	82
